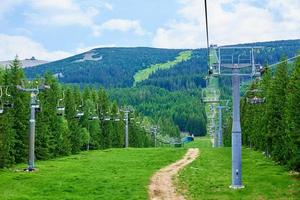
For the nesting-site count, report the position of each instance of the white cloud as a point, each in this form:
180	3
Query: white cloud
26	48
124	25
74	13
63	13
246	22
108	6
7	6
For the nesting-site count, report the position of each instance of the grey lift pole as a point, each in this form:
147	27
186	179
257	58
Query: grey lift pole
154	131
126	127
236	132
33	107
215	139
220	136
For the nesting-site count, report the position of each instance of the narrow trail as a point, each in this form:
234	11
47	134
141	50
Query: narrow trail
161	186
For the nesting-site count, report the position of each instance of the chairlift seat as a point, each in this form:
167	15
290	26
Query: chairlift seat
106	118
79	115
8	105
60	108
91	118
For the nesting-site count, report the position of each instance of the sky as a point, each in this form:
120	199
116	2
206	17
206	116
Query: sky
55	29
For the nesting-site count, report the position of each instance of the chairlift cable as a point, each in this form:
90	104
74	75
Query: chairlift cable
273	65
207	34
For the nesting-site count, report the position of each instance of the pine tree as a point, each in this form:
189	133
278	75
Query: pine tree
75	128
292	120
275	112
20	112
7	134
106	125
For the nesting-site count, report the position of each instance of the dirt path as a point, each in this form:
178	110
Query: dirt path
161	186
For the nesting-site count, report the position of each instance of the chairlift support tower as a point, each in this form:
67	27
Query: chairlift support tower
34	106
126	111
220	135
235	62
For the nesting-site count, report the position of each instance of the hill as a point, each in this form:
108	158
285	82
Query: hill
31	62
116	67
109	67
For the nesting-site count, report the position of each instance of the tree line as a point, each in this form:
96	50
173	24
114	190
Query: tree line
176	110
58	132
273	126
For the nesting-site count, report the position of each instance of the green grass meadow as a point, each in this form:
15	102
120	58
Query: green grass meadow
209	176
111	174
124	174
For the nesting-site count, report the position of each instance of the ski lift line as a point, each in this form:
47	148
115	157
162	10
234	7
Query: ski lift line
273	65
207	34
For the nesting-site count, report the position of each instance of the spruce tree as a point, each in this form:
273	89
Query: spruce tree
20	112
276	101
7	134
292	120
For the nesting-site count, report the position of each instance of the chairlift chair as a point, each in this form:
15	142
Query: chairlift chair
7	104
106	118
60	109
1	103
79	114
258	70
93	117
1	108
256	100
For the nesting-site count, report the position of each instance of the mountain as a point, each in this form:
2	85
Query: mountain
110	67
119	67
164	84
31	62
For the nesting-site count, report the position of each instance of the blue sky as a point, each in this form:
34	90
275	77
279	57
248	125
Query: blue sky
54	29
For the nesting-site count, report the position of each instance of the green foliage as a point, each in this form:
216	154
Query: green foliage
273	127
182	108
59	135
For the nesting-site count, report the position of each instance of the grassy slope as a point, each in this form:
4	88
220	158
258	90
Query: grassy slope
144	74
209	176
111	174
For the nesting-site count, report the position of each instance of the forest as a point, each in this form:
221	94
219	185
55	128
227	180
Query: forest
181	109
270	115
89	120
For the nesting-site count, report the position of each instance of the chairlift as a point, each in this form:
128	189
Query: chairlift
93	117
7	103
37	107
1	104
79	114
255	100
1	108
258	70
60	109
